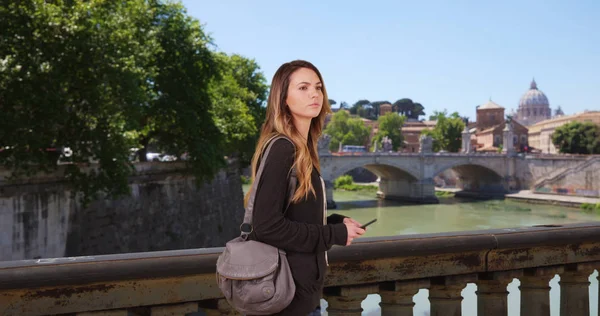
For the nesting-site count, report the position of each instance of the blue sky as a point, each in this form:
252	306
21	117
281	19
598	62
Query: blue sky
444	54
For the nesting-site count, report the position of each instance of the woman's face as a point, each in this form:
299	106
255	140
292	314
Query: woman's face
305	94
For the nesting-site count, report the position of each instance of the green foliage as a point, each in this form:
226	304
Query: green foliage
390	125
238	95
179	116
577	138
101	77
408	108
343	180
365	109
370	110
245	179
364	112
359	187
376	108
358	105
590	207
349	131
447	133
444	194
71	75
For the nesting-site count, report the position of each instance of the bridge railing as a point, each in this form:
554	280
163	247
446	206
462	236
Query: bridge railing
183	282
444	154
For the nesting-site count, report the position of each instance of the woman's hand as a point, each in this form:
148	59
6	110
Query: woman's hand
354	230
350	220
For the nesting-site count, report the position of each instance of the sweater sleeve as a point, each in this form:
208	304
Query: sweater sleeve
270	226
335	219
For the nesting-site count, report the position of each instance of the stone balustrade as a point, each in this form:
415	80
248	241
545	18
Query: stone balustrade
182	282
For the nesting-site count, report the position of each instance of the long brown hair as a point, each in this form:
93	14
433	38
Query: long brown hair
279	121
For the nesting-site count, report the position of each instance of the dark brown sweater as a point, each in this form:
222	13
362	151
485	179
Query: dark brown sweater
300	232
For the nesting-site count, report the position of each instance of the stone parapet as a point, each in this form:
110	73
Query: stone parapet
395	267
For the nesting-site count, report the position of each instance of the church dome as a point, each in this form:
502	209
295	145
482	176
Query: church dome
533	106
534	97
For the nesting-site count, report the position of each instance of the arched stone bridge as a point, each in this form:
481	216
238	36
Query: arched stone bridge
409	176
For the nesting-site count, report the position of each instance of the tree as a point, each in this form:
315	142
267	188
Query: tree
418	110
577	138
358	105
377	107
178	118
238	96
248	75
437	114
343	105
71	74
363	112
403	106
332	102
408	108
447	133
443	115
346	130
390	125
101	77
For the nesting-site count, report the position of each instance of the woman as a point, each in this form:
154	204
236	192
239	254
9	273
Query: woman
296	108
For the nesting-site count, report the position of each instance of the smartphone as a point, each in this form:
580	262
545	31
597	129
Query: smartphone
367	224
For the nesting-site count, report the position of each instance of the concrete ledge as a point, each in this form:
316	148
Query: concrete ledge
163	264
552	199
150	280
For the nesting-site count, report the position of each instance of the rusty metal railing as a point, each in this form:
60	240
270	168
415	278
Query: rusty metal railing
183	281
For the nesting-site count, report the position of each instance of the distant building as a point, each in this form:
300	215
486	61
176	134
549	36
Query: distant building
384	109
489	129
411	132
540	134
373	126
488	115
533	106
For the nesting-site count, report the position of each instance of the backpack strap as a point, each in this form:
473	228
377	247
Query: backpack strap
246	227
291	187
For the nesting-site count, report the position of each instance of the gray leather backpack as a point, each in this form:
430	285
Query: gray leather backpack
254	277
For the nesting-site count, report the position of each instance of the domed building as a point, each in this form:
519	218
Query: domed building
533	106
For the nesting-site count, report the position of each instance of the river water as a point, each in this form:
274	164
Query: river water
452	214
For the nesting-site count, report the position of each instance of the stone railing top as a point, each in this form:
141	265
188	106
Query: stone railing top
142	169
561	156
178	263
369	154
471	154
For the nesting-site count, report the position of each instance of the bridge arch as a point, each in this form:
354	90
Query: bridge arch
474	177
395	182
411	176
382	170
459	164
